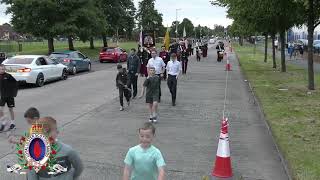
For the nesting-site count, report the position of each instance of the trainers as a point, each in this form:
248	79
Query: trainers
155	119
2	127
151	119
128	103
121	108
12	126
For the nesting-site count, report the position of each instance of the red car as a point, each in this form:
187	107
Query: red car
112	54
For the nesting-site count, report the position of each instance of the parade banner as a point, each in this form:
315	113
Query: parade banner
148	39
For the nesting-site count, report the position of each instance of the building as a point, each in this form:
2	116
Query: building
302	33
7	33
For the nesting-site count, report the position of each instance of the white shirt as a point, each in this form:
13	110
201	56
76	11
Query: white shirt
174	67
276	42
157	63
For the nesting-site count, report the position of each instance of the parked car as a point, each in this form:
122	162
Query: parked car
316	47
315	42
303	41
112	54
74	60
35	69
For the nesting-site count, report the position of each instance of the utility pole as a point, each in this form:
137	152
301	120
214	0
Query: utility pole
177	22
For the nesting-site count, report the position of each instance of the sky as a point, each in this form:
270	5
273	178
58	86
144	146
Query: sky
198	11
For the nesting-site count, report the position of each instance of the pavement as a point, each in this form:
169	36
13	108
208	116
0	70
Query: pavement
299	61
87	109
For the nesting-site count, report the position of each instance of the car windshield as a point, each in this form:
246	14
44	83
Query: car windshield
316	42
58	55
16	60
108	49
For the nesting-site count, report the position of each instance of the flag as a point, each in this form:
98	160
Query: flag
140	40
167	40
184	32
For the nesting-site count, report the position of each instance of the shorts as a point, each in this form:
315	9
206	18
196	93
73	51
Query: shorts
7	100
151	99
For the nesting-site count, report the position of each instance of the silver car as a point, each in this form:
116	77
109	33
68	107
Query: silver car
35	69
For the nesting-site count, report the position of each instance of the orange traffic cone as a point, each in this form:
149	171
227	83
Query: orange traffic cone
222	168
228	65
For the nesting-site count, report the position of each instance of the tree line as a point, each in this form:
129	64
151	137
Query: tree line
271	17
90	19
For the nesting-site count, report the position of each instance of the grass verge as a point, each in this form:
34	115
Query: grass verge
292	114
42	48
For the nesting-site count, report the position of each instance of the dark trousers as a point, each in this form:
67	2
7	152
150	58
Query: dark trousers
198	58
124	92
133	83
172	85
159	86
184	66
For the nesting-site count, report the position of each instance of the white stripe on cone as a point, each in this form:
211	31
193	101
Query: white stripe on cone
223	146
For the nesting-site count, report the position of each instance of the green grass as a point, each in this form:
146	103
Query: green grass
42	47
293	115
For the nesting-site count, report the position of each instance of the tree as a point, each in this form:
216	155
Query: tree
218	30
119	17
91	22
148	17
39	18
187	24
312	19
259	14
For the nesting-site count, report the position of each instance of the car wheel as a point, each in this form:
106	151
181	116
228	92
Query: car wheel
64	75
74	70
89	67
101	61
40	80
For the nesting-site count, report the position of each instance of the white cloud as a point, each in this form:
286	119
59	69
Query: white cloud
3	17
198	11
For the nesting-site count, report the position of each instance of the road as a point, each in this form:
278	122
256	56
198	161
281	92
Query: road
87	110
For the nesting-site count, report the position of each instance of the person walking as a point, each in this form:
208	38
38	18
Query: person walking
184	61
159	66
133	66
144	161
8	91
165	57
121	83
173	68
151	86
144	56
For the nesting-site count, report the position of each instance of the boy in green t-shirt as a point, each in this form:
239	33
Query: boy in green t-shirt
151	86
144	161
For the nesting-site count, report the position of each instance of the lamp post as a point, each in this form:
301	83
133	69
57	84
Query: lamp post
177	21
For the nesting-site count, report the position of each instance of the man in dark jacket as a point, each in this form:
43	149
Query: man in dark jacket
8	91
133	66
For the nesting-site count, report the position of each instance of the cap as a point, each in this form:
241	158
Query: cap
119	66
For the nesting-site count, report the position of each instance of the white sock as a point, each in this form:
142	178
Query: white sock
12	122
154	114
151	116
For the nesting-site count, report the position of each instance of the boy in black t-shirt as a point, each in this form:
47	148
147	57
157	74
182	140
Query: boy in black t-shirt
151	86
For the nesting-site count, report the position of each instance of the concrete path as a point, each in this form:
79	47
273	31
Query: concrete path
187	134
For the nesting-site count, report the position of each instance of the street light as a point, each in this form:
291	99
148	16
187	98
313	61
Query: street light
177	21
